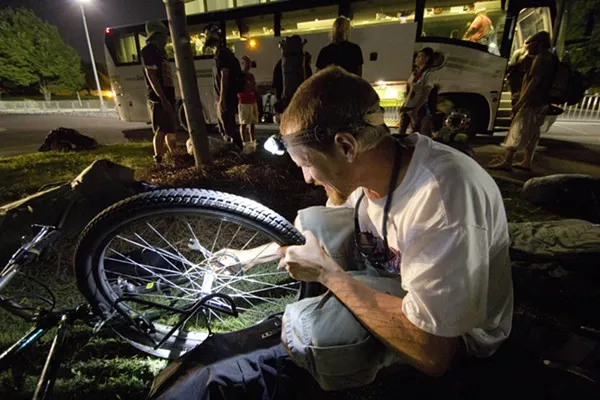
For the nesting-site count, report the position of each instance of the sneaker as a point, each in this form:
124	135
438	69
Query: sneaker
249	147
157	160
227	139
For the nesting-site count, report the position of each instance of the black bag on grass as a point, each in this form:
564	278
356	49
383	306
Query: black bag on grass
188	378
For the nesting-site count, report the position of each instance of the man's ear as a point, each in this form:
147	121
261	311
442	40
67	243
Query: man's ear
346	145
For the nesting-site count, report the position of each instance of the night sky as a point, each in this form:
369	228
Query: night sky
66	15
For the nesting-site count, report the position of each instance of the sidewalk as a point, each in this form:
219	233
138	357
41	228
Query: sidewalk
552	157
80	112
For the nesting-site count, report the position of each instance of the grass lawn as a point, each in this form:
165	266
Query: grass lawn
102	366
24	175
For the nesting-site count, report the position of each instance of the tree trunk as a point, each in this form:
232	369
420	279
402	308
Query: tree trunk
186	74
45	91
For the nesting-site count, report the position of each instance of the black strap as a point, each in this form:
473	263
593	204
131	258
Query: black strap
388	201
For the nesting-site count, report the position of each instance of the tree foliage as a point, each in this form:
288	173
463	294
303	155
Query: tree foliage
33	53
90	79
584	23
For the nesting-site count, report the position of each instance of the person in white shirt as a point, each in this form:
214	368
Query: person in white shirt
416	110
424	214
446	226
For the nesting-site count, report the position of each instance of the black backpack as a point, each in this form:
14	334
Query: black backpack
567	85
238	78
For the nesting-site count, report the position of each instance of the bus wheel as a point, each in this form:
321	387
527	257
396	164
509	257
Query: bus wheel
466	114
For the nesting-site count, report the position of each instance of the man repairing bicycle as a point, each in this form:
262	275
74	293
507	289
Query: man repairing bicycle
427	221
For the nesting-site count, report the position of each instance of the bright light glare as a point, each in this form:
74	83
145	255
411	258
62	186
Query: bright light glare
272	147
252	43
83	1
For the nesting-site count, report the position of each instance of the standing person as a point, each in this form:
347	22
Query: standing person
226	72
341	51
532	106
307	65
416	110
518	67
480	29
247	107
161	91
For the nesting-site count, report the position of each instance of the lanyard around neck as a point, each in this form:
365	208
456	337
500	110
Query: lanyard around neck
388	200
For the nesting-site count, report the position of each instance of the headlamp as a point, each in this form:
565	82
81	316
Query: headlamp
277	144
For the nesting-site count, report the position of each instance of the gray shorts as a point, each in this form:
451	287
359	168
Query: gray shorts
320	333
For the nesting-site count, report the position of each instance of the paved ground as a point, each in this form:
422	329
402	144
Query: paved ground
567	148
22	134
572	148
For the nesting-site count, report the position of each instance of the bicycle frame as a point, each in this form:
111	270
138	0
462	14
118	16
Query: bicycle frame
45	321
63	320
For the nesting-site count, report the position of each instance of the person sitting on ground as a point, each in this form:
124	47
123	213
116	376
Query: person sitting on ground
341	51
424	218
416	110
247	107
532	107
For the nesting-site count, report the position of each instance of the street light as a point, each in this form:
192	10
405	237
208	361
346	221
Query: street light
87	34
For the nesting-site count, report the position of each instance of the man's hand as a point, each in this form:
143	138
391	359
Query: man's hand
235	260
309	263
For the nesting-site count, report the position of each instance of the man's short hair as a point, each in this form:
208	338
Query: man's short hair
338	101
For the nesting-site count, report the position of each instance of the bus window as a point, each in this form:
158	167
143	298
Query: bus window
381	12
194	7
480	22
250	27
311	20
200	6
214	5
126	51
531	21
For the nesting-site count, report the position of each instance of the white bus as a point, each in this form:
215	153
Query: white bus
470	75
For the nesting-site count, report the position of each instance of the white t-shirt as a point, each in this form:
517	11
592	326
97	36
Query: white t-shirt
419	88
447	227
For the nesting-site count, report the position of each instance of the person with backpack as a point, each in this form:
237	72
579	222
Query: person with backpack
417	111
518	66
341	51
532	107
248	108
228	82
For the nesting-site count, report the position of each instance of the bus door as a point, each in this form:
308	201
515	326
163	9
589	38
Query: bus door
531	21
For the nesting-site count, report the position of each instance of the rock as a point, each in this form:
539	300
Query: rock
568	240
571	195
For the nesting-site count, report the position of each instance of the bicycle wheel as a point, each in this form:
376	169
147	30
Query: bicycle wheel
160	247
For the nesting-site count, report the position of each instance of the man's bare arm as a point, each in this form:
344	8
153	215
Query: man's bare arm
380	313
